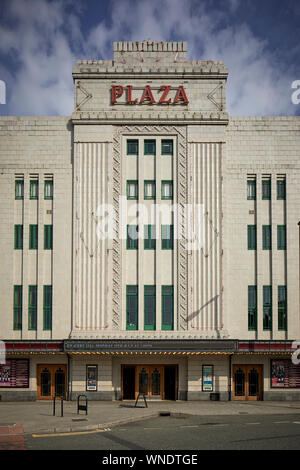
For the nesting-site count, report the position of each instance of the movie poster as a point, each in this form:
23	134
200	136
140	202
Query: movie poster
207	378
91	378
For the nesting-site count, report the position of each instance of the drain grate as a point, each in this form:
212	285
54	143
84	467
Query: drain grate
79	419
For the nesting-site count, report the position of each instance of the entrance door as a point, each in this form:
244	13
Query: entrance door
247	382
51	380
170	382
149	380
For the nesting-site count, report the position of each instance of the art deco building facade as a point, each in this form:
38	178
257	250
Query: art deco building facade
149	242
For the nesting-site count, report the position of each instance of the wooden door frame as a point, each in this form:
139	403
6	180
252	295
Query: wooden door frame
150	367
246	368
52	368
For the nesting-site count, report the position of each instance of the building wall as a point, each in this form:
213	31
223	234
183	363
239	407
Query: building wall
39	147
261	146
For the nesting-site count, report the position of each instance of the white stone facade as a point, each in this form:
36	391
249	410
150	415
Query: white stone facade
85	155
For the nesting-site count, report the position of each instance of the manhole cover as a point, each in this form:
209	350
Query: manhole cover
79	419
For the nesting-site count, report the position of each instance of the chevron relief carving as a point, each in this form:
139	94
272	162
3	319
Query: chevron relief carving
212	97
87	96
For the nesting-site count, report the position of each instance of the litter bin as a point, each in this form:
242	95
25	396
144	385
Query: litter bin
215	396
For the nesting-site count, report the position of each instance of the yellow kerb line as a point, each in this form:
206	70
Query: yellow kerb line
69	433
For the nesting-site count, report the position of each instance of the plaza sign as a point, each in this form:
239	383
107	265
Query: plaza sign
147	95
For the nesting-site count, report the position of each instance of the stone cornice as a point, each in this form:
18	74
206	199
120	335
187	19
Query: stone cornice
121	118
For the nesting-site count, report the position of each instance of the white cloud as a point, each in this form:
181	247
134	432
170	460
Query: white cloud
46	40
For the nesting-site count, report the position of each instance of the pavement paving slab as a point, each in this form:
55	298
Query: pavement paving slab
37	417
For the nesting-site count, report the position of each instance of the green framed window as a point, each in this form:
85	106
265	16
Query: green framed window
251	237
48	237
167	189
18	307
167	305
251	189
132	189
34	189
132	147
267	308
33	237
32	307
150	147
267	237
149	307
149	237
19	189
18	238
47	311
149	189
48	189
132	237
281	189
167	237
281	237
266	189
282	308
252	308
131	307
167	147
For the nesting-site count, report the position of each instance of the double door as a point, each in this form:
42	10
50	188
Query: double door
51	381
247	382
149	381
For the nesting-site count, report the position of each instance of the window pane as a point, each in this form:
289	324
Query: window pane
149	189
280	189
48	189
266	189
19	189
132	147
167	147
251	189
150	147
34	189
167	190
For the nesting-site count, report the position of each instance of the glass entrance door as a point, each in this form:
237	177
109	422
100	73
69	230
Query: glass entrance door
51	381
247	382
149	380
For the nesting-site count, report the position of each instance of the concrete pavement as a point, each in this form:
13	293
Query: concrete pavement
37	417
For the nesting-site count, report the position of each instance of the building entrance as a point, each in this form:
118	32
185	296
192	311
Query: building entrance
155	381
51	381
247	382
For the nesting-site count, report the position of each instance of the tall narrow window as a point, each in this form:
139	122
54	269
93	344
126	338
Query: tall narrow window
252	308
18	237
267	240
251	237
167	147
132	147
281	189
132	237
281	237
149	307
19	189
131	307
251	189
167	189
48	237
47	308
149	189
167	305
48	189
34	189
32	308
33	237
266	189
167	237
267	308
149	147
149	237
132	189
17	307
282	308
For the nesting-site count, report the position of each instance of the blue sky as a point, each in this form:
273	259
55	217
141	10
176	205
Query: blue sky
40	41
